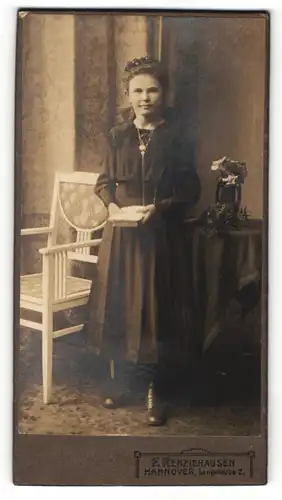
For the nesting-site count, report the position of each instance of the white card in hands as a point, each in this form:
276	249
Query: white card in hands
129	216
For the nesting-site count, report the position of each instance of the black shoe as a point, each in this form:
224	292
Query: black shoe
116	395
109	395
155	409
116	391
110	403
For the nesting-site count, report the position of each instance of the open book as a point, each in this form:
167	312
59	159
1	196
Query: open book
127	216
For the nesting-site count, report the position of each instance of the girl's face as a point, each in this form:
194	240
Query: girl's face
145	95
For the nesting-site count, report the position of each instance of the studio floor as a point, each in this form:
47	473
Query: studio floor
214	401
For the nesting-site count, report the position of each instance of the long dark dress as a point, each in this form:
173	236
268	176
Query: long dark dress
130	314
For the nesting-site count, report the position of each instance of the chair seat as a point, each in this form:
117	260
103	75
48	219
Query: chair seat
31	288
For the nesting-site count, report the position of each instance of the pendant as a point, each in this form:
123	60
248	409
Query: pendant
142	148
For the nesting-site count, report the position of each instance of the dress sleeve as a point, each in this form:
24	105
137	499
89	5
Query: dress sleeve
181	183
106	183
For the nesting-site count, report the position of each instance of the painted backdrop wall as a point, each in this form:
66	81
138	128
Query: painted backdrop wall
72	95
218	84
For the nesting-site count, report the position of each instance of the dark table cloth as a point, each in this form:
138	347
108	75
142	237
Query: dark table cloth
209	270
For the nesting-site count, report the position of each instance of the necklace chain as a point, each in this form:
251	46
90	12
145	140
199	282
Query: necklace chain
142	146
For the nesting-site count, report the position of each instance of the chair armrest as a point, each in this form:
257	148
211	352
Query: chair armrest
36	230
69	246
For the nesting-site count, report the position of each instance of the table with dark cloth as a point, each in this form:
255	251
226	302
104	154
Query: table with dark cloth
209	270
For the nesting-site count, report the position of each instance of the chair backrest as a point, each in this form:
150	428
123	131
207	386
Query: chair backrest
75	201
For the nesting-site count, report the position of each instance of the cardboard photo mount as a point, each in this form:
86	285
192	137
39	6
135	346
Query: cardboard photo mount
162	459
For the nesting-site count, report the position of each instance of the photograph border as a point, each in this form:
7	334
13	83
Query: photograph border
75	460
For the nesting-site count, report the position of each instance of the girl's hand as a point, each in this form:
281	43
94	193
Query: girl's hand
141	209
149	210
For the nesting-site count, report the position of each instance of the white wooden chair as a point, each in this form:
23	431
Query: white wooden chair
55	289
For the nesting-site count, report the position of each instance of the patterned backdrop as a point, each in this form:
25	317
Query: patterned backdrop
103	46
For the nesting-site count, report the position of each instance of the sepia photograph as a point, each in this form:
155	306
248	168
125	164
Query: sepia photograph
141	237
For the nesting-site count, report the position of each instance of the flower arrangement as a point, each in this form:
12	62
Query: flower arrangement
227	212
230	172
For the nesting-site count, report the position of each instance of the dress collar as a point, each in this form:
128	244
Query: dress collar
161	122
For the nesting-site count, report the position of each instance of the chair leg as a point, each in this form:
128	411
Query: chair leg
47	355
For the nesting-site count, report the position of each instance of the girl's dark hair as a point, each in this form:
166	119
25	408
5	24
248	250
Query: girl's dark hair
145	66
